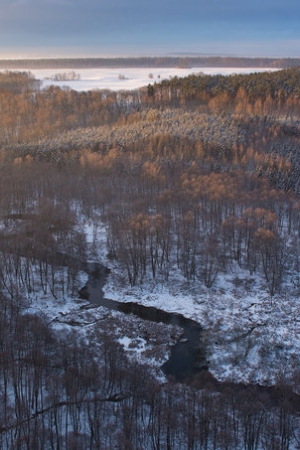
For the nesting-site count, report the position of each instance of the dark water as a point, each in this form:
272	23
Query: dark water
187	356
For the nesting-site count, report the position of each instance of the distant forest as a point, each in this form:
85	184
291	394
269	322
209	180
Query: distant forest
148	62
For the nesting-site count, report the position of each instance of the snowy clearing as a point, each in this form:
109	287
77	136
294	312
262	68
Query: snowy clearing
128	78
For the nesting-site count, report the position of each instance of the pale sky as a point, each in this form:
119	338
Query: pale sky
91	28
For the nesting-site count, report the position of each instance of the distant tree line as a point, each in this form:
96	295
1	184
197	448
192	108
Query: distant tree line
149	62
65	76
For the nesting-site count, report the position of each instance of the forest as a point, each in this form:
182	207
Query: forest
199	175
192	60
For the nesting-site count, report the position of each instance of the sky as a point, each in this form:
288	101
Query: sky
103	28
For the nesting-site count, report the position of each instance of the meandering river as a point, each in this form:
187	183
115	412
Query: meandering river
187	356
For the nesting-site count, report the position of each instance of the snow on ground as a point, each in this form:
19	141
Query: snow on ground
128	78
145	342
55	308
250	337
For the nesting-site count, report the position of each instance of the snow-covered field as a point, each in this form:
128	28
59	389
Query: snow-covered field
128	79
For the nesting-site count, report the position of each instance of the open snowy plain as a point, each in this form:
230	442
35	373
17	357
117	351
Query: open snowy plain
125	78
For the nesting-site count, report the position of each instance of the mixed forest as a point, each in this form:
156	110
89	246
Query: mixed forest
201	174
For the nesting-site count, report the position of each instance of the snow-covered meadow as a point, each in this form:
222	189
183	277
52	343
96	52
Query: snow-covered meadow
128	78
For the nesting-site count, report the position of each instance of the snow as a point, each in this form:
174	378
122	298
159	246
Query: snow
137	345
45	304
128	78
249	336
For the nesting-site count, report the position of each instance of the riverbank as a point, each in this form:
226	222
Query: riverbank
250	336
187	356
